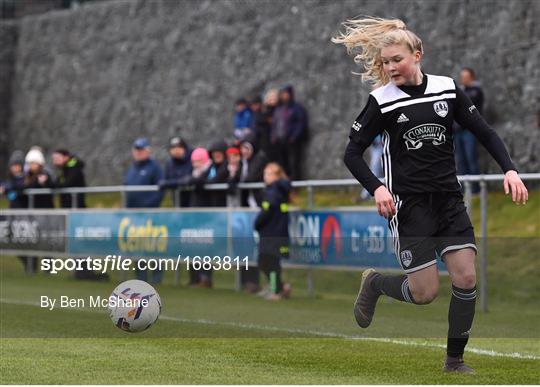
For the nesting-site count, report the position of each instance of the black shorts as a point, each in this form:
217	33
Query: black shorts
427	226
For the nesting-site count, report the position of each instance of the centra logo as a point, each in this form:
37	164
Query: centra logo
415	137
142	237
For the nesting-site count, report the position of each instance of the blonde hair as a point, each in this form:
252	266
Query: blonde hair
364	38
271	97
278	169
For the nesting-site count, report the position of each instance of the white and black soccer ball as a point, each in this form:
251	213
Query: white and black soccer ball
134	306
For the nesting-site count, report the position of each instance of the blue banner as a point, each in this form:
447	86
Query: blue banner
149	234
320	238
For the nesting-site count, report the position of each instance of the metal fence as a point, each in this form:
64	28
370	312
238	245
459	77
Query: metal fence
310	186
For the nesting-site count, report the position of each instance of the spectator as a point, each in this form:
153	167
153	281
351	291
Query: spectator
258	121
14	185
201	162
143	171
289	132
466	147
178	168
70	174
242	119
271	100
252	166
234	166
272	223
38	177
253	163
13	189
218	172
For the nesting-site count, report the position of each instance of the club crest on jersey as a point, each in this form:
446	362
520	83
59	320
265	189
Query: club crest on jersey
406	257
441	108
415	137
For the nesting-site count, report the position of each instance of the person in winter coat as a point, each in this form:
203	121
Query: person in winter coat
243	118
272	223
13	189
38	177
177	168
234	166
289	132
143	171
14	185
218	172
252	167
70	174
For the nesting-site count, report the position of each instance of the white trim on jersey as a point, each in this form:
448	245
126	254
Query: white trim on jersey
438	83
393	225
459	247
417	268
435	84
417	101
387	164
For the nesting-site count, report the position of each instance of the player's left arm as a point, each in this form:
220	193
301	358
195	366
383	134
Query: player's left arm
468	116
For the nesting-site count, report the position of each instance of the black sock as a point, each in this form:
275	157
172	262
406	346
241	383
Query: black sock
460	319
393	286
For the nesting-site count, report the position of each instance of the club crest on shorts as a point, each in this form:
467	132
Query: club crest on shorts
406	257
441	108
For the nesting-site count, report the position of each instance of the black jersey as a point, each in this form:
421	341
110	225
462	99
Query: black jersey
416	127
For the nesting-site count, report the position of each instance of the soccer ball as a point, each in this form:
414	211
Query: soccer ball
134	306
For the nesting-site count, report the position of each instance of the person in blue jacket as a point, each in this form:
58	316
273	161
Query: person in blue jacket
143	171
272	223
243	119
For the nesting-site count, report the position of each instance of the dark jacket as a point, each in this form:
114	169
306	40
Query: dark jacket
71	175
218	173
289	122
272	223
40	201
262	126
255	170
13	189
177	171
146	172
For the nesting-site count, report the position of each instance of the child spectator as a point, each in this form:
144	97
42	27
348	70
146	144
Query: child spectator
272	223
242	119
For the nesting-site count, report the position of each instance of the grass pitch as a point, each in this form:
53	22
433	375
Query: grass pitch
220	336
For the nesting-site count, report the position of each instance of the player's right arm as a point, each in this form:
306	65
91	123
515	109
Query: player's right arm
363	131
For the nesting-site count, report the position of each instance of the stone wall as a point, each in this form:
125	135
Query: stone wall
8	44
94	78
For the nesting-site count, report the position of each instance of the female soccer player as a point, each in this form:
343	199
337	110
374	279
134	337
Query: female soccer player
421	199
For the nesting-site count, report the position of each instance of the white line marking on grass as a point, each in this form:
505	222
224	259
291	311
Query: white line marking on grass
477	351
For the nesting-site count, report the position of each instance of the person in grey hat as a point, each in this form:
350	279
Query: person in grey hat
13	188
14	185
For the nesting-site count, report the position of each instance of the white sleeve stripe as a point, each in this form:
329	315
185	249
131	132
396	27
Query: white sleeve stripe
417	101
